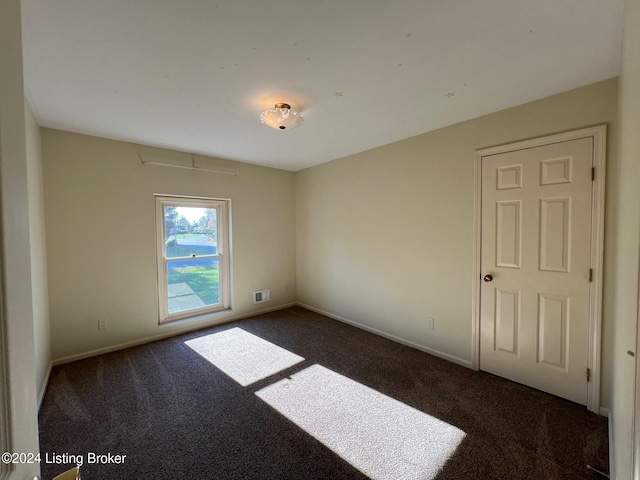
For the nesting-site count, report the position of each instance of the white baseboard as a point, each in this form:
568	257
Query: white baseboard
173	333
431	351
44	385
604	412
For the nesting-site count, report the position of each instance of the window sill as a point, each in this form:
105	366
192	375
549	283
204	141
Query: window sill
198	317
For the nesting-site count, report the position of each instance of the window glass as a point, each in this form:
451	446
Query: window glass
193	266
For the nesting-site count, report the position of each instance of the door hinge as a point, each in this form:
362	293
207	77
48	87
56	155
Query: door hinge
591	275
588	374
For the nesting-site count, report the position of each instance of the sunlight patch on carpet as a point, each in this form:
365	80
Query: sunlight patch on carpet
380	436
243	356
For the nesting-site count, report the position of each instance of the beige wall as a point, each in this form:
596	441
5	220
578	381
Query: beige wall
100	221
385	237
40	296
623	260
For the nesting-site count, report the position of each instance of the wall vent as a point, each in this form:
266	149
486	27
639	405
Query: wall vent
262	296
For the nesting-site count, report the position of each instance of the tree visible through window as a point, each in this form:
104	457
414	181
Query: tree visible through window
193	260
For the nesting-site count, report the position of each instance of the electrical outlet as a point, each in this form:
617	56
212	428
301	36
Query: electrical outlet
103	323
285	288
430	322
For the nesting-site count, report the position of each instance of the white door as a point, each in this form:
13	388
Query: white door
535	264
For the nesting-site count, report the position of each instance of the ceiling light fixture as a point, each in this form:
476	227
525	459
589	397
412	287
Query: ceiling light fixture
281	117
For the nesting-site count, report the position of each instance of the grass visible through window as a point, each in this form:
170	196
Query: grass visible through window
193	283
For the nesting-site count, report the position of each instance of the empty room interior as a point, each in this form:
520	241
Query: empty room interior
320	239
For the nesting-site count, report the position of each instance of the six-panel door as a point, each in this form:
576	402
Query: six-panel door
536	224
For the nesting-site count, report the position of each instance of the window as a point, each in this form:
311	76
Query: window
193	256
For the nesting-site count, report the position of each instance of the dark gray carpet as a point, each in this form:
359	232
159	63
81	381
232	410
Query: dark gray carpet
175	416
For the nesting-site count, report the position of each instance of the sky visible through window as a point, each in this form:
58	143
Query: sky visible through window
193	214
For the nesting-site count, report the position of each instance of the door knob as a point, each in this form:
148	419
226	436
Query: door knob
487	278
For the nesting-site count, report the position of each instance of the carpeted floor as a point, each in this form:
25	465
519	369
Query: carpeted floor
177	416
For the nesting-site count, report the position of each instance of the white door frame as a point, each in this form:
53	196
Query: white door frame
635	446
5	423
19	407
599	134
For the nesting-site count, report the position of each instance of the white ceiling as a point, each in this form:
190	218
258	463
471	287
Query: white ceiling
194	75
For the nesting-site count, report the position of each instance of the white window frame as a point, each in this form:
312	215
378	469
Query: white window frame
223	253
